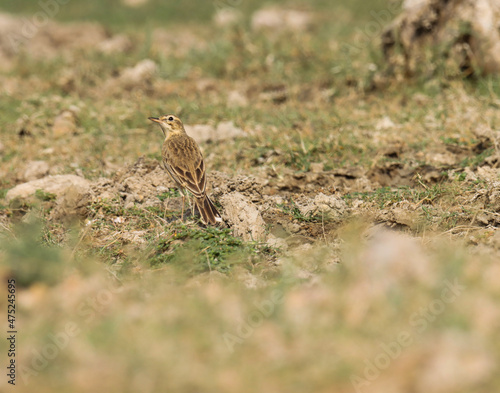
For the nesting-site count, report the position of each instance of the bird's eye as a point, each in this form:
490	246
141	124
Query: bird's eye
170	118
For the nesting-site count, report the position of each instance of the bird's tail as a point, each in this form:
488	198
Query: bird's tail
209	213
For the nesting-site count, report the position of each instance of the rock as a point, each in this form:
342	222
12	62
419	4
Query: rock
225	17
205	133
42	37
8	24
316	167
236	99
134	3
64	124
276	19
143	72
117	44
244	217
201	132
36	170
384	124
72	202
50	184
329	206
227	130
467	32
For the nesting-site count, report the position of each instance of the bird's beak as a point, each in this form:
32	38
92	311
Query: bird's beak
155	119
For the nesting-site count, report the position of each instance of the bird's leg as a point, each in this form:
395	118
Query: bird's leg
191	204
182	210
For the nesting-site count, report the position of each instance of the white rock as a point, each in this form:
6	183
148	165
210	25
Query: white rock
413	5
48	151
134	3
116	44
200	132
281	19
317	167
36	170
244	217
142	72
227	17
384	124
482	18
227	130
64	124
329	205
236	99
204	132
50	184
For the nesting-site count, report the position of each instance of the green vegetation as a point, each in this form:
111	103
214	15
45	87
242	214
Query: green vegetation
206	249
387	196
45	196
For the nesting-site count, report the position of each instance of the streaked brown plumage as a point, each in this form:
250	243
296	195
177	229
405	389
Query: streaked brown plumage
184	163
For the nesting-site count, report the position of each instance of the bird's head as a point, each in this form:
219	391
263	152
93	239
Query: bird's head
169	123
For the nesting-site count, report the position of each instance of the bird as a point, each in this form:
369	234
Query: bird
184	163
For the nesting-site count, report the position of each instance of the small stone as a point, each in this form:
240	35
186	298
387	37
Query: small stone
48	151
316	167
236	99
141	73
384	124
200	132
134	3
331	206
276	19
36	170
227	17
227	130
50	184
117	44
64	124
204	132
72	203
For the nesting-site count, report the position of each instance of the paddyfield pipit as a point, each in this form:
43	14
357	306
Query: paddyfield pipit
184	163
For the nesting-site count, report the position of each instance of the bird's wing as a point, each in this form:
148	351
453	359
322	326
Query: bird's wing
189	170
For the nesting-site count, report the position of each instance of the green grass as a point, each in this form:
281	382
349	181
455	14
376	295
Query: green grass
45	196
171	193
387	196
198	250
